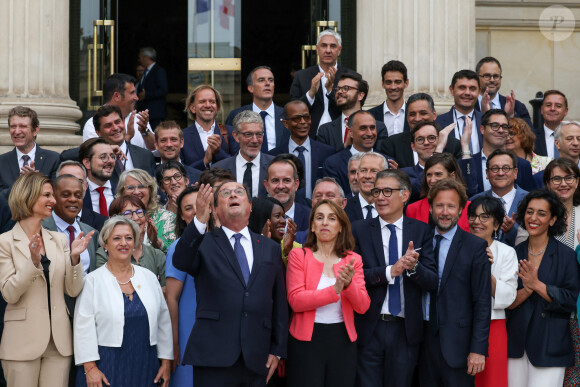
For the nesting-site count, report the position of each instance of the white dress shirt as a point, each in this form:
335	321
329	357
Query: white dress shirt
326	115
329	313
290	212
507	201
549	136
307	160
363	204
270	128
203	135
460	127
493	104
61	226
241	169
486	183
128	163
108	192
395	122
137	140
31	154
386	234
504	268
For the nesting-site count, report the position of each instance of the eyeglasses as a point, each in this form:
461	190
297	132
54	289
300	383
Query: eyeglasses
387	192
226	193
249	135
487	76
557	180
511	134
483	217
178	176
495	126
298	118
134	187
129	214
104	157
429	139
346	89
505	169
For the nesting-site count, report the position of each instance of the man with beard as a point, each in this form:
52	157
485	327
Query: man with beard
554	109
169	142
458	312
98	158
350	95
311	153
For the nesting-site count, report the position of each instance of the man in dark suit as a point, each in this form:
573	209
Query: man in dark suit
363	132
97	156
311	153
260	83
398	262
206	141
464	89
350	95
489	71
26	156
420	107
169	142
458	311
393	112
554	109
315	84
241	329
362	205
249	165
152	87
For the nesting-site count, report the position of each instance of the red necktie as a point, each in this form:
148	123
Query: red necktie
102	202
346	130
71	235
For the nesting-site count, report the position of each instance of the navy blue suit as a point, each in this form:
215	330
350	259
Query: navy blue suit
234	319
520	110
447	118
282	134
369	244
525	178
379	115
353	209
416	175
301	216
539	179
230	165
331	134
538	327
192	152
155	86
540	147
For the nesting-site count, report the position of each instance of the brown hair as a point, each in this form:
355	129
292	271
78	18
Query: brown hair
524	133
567	166
116	208
24	193
191	98
344	241
167	125
449	184
23	111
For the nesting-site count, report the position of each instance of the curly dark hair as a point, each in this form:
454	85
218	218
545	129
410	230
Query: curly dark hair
568	166
557	210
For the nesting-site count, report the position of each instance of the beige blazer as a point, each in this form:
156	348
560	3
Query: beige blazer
27	326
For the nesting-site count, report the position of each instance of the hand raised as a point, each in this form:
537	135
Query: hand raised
80	243
315	84
444	136
35	246
330	79
203	203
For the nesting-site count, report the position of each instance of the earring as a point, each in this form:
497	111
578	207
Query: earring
105	250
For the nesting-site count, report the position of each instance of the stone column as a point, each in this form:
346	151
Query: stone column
34	69
433	38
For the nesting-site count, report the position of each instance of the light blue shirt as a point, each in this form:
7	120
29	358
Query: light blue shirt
308	161
61	226
486	183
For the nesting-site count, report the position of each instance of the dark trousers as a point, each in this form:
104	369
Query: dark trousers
387	359
328	360
238	375
434	370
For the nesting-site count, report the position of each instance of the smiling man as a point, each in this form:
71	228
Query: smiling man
169	142
97	156
554	109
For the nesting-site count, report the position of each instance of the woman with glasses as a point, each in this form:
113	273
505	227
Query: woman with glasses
143	255
139	183
172	179
485	216
437	167
521	140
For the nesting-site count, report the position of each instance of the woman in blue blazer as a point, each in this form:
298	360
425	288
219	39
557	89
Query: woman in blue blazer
539	341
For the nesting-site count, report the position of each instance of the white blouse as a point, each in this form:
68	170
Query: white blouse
330	313
99	317
504	268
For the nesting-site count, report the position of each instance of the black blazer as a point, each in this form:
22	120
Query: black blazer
538	327
238	319
265	159
301	85
540	147
368	243
45	161
301	216
353	209
525	178
331	134
379	115
6	222
447	118
416	176
399	147
282	134
192	152
155	85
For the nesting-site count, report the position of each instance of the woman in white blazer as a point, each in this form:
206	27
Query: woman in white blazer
122	328
485	215
37	267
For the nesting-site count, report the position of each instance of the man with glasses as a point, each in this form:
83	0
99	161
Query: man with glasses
350	95
249	165
311	153
567	141
490	75
97	156
398	262
172	179
502	171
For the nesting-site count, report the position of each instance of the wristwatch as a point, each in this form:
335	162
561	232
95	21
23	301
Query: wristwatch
147	131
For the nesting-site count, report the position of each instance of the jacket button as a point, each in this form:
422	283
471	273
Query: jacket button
245	314
543	315
247	294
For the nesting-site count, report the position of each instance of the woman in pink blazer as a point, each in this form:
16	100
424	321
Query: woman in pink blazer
325	284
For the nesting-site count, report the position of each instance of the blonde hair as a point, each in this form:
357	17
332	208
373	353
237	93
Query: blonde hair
144	178
24	193
113	222
191	98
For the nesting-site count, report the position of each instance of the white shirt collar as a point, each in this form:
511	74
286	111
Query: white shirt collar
200	130
398	223
292	145
269	110
151	66
459	114
32	154
401	110
508	197
61	225
495	101
290	212
242	161
322	71
230	233
363	202
94	186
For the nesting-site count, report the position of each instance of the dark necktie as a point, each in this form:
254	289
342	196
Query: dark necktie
241	257
264	114
103	209
300	150
71	235
25	159
433	318
369	208
395	289
247	181
556	152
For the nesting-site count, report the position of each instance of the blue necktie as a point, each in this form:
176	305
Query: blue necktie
433	319
300	150
394	290
370	216
264	114
556	152
241	256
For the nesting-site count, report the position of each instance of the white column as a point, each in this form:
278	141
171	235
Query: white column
34	69
433	38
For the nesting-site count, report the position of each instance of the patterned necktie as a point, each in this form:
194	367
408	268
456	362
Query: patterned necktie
241	257
264	114
103	208
395	289
25	159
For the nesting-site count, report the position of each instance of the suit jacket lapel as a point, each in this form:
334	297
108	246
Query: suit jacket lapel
451	256
13	165
51	251
21	240
407	152
226	248
336	132
39	158
377	240
279	126
91	247
477	160
258	248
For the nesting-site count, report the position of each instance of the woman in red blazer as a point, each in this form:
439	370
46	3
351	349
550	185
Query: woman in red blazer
325	284
439	166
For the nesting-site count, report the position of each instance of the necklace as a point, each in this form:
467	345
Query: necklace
538	253
119	282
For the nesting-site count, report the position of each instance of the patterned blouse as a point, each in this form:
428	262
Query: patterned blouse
165	222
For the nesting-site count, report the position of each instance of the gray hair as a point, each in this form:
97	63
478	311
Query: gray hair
558	131
247	117
402	178
150	52
73	163
355	157
250	77
329	179
332	33
385	163
113	222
